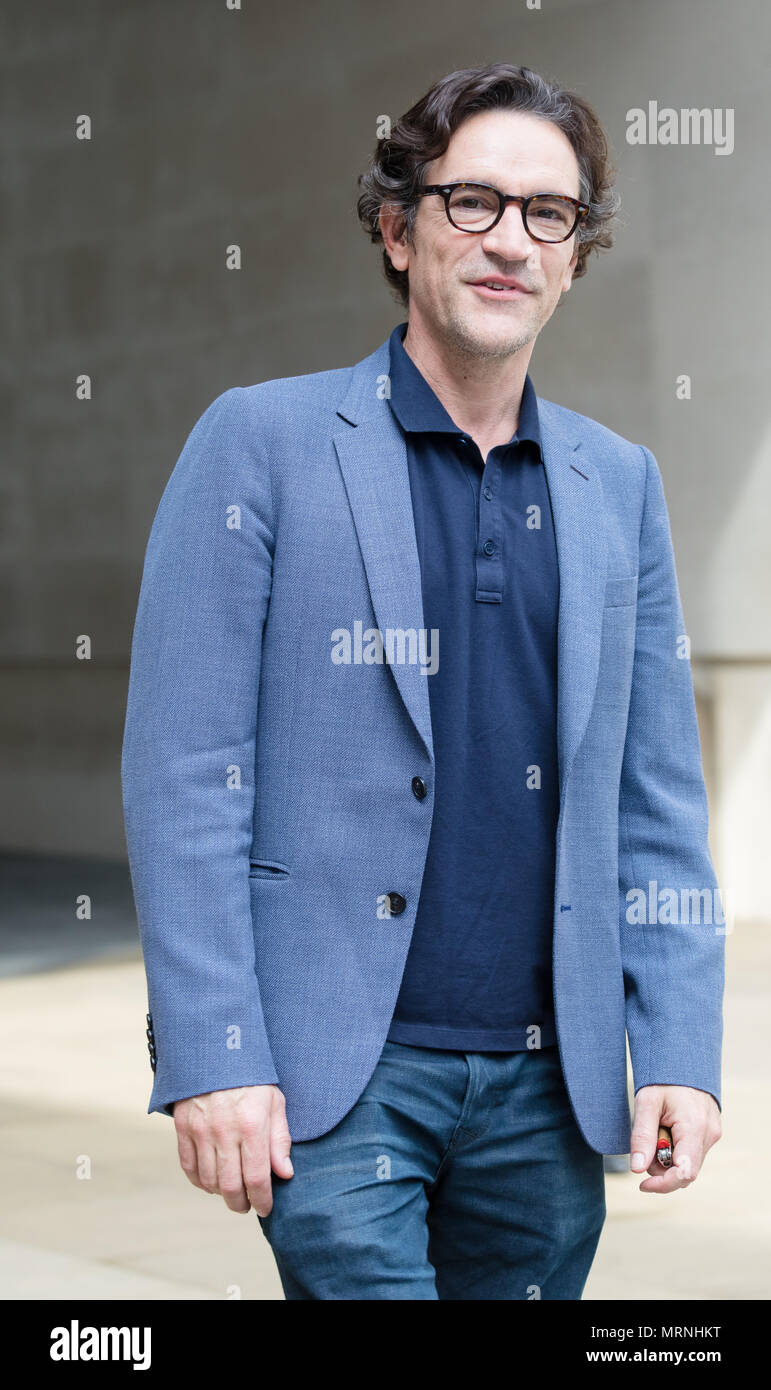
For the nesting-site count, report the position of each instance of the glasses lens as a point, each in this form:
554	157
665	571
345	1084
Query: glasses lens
550	219
473	207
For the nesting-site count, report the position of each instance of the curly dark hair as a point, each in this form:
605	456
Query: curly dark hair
423	133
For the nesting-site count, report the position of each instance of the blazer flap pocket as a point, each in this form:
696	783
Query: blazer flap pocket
267	868
621	591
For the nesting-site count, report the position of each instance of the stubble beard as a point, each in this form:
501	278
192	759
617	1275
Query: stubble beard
468	343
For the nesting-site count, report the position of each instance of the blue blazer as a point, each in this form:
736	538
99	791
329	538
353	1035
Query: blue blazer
267	788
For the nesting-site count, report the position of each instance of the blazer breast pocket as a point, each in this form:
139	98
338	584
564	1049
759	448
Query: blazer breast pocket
621	591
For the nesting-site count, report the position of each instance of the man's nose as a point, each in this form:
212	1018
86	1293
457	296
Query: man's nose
508	238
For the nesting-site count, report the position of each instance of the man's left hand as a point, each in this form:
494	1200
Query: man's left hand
694	1119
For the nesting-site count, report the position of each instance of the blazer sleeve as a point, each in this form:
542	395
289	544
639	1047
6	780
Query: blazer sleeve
188	757
673	970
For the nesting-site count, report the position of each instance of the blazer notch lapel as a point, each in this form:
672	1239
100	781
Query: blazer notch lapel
373	459
578	507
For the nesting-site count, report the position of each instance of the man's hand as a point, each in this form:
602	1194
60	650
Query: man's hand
694	1119
228	1141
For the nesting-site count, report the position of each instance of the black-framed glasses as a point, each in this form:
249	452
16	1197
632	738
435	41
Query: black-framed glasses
478	207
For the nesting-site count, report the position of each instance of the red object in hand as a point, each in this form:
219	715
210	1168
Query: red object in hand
664	1147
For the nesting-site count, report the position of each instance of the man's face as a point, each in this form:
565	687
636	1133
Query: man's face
517	153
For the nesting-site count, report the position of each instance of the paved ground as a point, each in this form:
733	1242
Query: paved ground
74	1098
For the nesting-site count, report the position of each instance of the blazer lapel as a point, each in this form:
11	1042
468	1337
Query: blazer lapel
373	460
578	506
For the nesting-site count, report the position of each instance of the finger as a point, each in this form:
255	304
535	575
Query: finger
255	1168
188	1158
230	1182
280	1144
687	1156
207	1163
645	1129
669	1180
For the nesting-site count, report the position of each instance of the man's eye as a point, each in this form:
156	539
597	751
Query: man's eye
551	212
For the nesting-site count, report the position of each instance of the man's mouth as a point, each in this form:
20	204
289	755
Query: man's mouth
500	289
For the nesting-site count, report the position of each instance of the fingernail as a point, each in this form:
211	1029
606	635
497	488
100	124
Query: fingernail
638	1160
290	1166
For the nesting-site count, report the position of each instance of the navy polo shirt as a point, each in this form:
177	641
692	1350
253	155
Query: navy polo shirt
478	972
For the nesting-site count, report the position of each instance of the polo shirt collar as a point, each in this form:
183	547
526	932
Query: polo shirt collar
418	408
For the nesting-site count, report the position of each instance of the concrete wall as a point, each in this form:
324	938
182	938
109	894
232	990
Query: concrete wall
213	126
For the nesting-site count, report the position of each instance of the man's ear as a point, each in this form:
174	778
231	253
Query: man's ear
394	233
570	267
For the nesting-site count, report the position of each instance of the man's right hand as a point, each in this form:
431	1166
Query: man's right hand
229	1141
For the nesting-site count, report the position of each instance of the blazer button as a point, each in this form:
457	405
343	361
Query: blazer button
396	903
419	787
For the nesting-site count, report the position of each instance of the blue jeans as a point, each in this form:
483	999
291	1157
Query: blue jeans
455	1175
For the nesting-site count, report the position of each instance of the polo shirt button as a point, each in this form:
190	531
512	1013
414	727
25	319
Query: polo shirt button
419	787
488	547
396	903
462	439
488	493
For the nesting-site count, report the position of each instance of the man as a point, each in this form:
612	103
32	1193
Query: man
389	885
